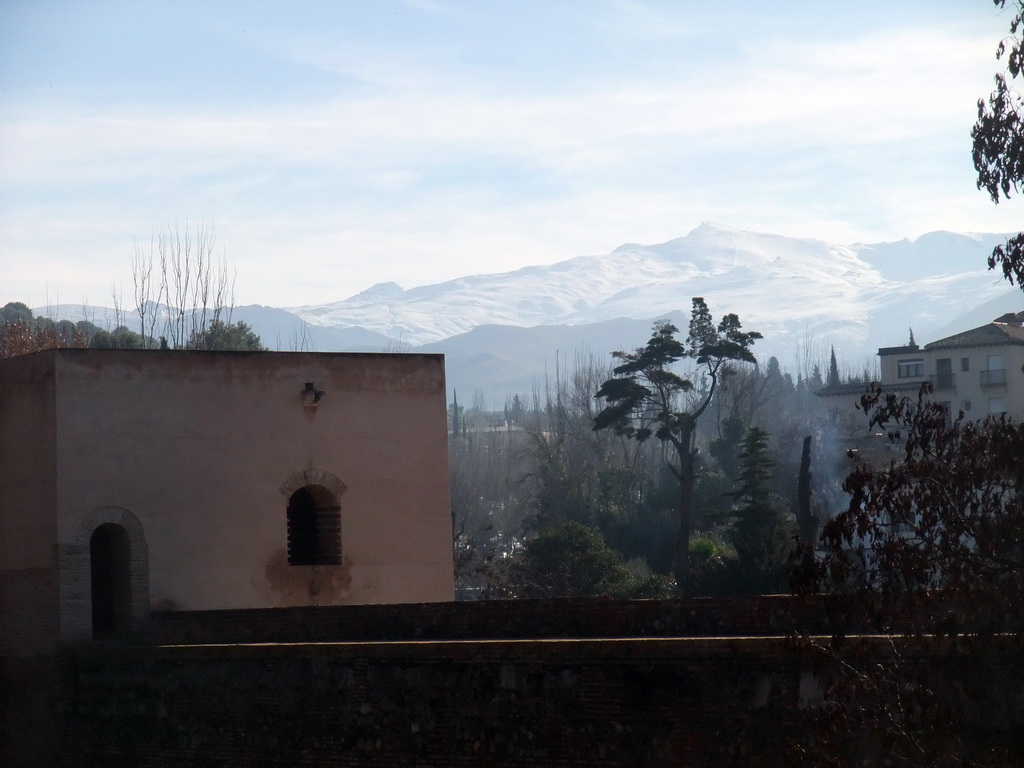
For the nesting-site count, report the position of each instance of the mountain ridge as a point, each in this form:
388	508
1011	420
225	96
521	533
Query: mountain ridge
804	295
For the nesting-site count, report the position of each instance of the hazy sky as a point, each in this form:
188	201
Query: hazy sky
334	145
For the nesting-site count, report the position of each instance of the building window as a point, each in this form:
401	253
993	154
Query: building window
992	377
965	363
996	373
314	527
910	369
965	406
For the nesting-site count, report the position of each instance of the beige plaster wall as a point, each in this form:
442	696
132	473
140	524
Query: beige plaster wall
196	445
967	385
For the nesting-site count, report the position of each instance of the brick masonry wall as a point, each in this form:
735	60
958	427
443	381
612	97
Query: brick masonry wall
507	619
654	702
517	683
29	690
722	701
28	612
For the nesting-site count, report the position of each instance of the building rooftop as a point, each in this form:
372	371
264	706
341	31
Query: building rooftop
903	350
1006	329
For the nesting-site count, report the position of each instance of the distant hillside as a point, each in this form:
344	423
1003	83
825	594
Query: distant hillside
502	332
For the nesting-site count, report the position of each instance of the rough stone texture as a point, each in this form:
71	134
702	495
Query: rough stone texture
723	701
510	619
587	682
652	702
28	666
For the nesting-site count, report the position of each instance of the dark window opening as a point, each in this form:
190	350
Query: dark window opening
314	527
909	369
110	567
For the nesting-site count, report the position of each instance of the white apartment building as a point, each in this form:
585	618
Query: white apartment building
979	372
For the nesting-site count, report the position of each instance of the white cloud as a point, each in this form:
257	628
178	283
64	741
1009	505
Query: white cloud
418	173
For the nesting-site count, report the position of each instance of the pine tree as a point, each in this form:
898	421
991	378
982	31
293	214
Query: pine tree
646	399
761	534
456	413
815	382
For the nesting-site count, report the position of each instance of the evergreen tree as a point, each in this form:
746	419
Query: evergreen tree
15	311
833	371
456	413
815	383
726	450
646	398
574	561
761	534
236	337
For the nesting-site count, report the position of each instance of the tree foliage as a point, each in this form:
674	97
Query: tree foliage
762	533
574	561
646	398
237	337
929	553
948	516
525	470
14	311
21	333
998	138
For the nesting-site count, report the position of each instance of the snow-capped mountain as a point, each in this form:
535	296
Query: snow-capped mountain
727	266
500	332
779	285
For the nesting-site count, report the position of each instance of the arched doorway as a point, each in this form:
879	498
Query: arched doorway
314	527
110	569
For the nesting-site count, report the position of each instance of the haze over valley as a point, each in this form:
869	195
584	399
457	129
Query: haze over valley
502	333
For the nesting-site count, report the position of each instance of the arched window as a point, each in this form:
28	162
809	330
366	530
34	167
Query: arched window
110	568
314	527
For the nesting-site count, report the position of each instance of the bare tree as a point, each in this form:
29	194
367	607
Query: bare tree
397	346
301	338
145	305
197	287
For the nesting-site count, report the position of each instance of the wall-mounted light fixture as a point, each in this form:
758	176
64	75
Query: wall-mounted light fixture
311	396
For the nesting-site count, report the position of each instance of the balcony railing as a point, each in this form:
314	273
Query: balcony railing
994	377
942	381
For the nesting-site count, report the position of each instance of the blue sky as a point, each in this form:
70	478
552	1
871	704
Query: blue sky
334	145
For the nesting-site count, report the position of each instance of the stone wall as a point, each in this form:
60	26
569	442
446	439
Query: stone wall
701	682
28	667
671	702
507	619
